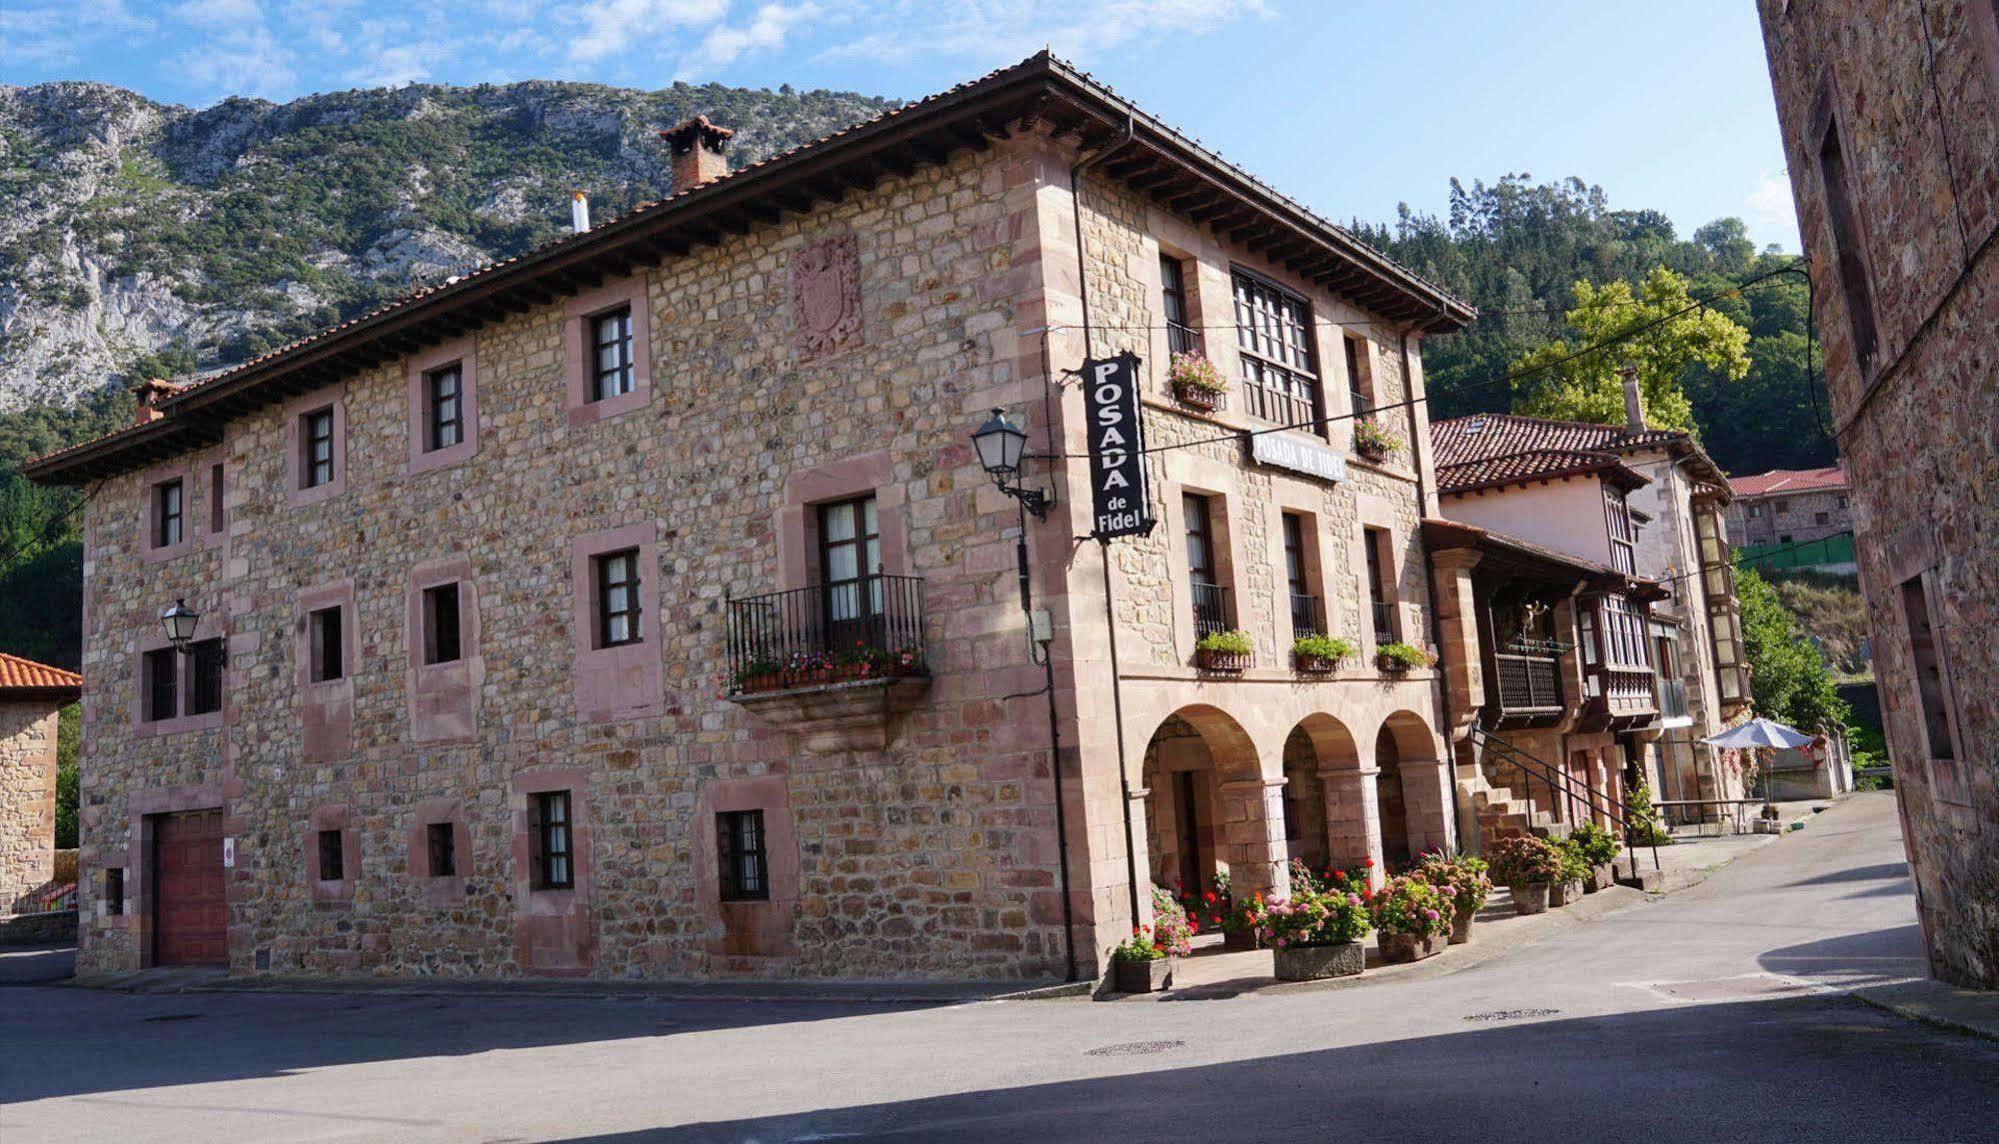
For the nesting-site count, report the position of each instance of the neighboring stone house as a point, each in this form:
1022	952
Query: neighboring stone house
1645	503
639	607
1789	506
1890	119
31	696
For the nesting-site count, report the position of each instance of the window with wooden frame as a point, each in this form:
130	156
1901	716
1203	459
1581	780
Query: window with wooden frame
1380	592
1181	337
742	864
332	858
324	635
850	560
552	861
316	448
441	840
441	624
160	676
1274	338
444	407
1210	598
206	662
1927	659
1360	374
1623	542
169	513
610	353
617	597
1843	214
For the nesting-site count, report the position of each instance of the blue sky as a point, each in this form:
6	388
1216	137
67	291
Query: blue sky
1350	107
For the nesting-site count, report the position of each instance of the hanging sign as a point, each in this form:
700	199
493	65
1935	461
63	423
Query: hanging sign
1118	501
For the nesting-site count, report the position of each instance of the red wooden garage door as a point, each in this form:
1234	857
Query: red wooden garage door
191	918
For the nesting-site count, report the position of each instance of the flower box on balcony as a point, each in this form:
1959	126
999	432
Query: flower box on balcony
1373	442
836	666
1399	658
1196	382
1228	652
1318	655
1198	398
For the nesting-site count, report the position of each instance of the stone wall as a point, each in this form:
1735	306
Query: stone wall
1789	518
27	799
1915	97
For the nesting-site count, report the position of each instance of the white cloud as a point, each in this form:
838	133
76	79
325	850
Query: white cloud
243	61
611	27
725	43
998	28
226	14
1770	202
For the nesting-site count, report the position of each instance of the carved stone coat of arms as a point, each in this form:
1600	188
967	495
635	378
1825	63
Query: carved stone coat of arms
826	296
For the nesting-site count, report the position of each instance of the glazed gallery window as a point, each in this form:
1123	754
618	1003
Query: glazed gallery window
553	864
441	624
168	513
332	861
442	843
444	407
316	448
1180	335
744	868
1274	334
326	660
617	588
1623	542
611	353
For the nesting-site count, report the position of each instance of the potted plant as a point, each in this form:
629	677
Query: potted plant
1467	883
1397	657
1196	382
1598	847
1315	654
1575	873
1529	866
1314	936
1139	964
1414	918
1224	651
1172	926
1373	442
1240	922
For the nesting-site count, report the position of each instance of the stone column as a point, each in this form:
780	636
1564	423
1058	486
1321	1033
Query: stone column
1457	637
1141	853
1353	820
1428	794
1250	836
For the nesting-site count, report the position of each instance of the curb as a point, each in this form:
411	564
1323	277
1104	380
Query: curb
1922	1017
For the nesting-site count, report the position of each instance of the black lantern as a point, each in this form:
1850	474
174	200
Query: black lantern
1002	445
180	621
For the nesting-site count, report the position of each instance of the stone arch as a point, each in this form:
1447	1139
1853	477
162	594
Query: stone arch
1414	788
1209	808
1329	805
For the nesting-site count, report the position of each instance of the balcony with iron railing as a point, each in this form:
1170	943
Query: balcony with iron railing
1211	608
1383	615
834	663
1306	617
1528	685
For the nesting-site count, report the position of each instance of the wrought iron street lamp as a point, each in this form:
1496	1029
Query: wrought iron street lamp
180	621
1002	445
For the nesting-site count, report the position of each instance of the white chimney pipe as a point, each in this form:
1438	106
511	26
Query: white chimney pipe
579	211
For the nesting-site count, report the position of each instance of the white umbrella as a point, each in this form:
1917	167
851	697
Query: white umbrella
1759	732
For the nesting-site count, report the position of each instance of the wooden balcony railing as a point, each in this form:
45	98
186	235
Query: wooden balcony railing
1528	683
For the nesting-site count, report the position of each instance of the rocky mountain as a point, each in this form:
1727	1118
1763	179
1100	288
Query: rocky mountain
138	237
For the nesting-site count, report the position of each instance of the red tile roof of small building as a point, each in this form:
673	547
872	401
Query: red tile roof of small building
17	674
1487	450
1789	481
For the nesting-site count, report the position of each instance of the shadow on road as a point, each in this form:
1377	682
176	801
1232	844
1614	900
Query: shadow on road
1855	959
1824	1069
1857	874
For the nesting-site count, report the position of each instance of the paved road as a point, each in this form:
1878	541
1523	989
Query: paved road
1714	1014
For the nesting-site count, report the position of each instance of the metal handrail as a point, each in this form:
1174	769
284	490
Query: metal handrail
1211	608
1554	779
1305	616
799	635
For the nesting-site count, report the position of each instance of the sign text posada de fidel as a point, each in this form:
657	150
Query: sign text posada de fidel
1118	501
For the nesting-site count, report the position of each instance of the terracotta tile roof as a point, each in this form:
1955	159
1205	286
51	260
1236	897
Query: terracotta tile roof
1487	450
1789	481
17	674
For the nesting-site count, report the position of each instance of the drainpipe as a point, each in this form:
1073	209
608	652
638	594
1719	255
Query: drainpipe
1442	705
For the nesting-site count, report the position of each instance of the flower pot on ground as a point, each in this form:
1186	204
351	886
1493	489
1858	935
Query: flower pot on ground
1315	935
1566	893
1196	382
1228	652
1571	886
1399	948
1143	976
1396	658
1602	877
1242	921
1527	864
1531	897
1414	917
1317	654
1461	926
1465	880
1595	848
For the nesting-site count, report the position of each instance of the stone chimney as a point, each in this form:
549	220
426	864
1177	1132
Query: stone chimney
1634	404
146	398
696	150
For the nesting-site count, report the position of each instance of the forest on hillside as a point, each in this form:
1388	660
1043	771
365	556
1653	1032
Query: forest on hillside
1515	248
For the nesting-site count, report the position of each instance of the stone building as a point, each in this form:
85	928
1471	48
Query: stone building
639	607
1789	506
1630	502
1890	118
31	695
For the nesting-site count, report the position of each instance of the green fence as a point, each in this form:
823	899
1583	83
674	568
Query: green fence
1809	554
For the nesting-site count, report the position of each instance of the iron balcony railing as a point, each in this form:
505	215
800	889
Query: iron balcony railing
1211	609
1528	682
864	628
1384	622
1305	617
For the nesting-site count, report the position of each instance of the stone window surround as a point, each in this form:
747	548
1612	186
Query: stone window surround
181	723
151	482
626	681
757	927
462	352
1911	554
1826	116
559	921
325	707
443	697
146	807
576	349
338	891
294	412
440	890
214	469
1302	499
797	522
1201	477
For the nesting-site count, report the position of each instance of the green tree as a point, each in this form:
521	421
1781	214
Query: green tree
1674	339
69	740
1787	675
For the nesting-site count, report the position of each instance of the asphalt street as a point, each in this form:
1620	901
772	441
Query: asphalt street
1718	1012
